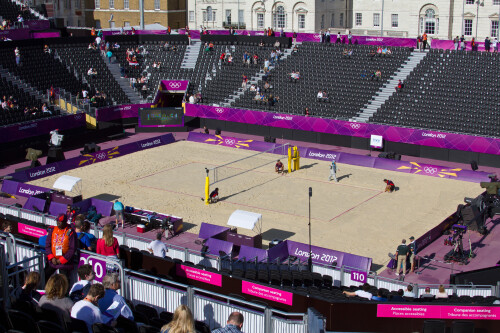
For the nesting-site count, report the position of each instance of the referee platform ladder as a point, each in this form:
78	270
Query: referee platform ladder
388	89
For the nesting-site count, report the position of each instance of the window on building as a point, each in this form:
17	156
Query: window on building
394	20
430	22
376	20
126	24
496	2
126	4
210	14
157	4
332	21
77	5
280	17
191	16
322	21
260	20
241	16
97	4
228	16
341	19
468	27
98	24
494	29
469	2
112	24
302	21
359	19
111	4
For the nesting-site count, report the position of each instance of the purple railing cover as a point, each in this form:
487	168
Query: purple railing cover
216	245
21	189
249	253
35	202
208	230
57	208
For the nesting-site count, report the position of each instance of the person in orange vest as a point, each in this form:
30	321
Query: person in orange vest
92	32
60	247
424	41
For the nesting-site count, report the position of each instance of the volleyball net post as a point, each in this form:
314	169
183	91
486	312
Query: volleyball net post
293	159
207	187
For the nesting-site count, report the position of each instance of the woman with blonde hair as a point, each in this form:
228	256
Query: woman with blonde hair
108	245
442	292
55	296
183	321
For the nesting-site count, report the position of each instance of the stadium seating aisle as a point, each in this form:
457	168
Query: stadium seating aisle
323	67
452	91
10	11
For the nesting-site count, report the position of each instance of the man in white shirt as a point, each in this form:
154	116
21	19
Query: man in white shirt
157	247
409	291
87	309
191	99
363	293
98	40
86	275
85	93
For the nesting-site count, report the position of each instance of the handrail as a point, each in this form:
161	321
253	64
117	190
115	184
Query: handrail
111	261
11	247
229	298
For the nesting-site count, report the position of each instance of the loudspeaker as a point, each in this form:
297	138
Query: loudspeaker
217	131
90	148
269	139
55	154
473	165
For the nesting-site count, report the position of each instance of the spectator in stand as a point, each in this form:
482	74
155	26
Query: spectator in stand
112	305
306	112
267	86
427	294
363	293
473	44
462	43
6	227
157	247
182	322
108	245
17	54
92	31
494	45
441	292
45	109
398	297
487	44
118	208
55	297
234	324
424	41
400	85
376	75
191	99
456	43
349	37
320	96
28	292
86	230
380	297
91	72
84	242
46	49
20	18
409	292
60	247
80	289
87	309
109	55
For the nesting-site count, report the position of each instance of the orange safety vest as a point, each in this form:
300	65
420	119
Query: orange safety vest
60	237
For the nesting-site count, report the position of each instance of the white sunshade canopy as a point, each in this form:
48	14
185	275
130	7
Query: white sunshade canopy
246	220
68	183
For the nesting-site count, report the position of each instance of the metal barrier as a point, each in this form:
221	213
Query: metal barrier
281	325
10	246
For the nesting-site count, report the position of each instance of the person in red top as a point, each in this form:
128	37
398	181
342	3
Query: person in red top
108	245
60	247
390	185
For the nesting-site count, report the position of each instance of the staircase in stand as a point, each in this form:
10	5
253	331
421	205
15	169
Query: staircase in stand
191	54
124	83
388	89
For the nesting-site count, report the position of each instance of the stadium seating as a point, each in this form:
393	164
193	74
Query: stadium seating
323	67
452	91
80	59
10	11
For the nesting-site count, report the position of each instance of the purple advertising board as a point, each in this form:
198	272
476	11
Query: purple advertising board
50	34
340	127
36	25
120	111
15	34
22	189
92	158
137	32
98	266
347	158
39	127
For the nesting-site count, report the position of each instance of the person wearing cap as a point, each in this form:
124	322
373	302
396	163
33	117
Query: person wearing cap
412	247
60	247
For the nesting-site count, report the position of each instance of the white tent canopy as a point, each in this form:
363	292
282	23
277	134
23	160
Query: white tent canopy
69	183
246	220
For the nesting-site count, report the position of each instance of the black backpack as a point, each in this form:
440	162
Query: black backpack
80	294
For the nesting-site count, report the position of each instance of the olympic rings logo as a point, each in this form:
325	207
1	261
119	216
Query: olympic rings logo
101	156
430	170
355	126
317	37
229	142
219	110
174	84
78	116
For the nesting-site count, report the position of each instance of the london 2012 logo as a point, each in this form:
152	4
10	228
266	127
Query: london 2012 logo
174	85
355	126
78	116
101	156
219	110
229	142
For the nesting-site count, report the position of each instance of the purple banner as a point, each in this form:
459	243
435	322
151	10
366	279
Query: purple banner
120	111
450	45
88	159
98	266
364	130
208	230
52	34
40	127
15	34
231	142
216	245
137	32
37	24
21	189
250	253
